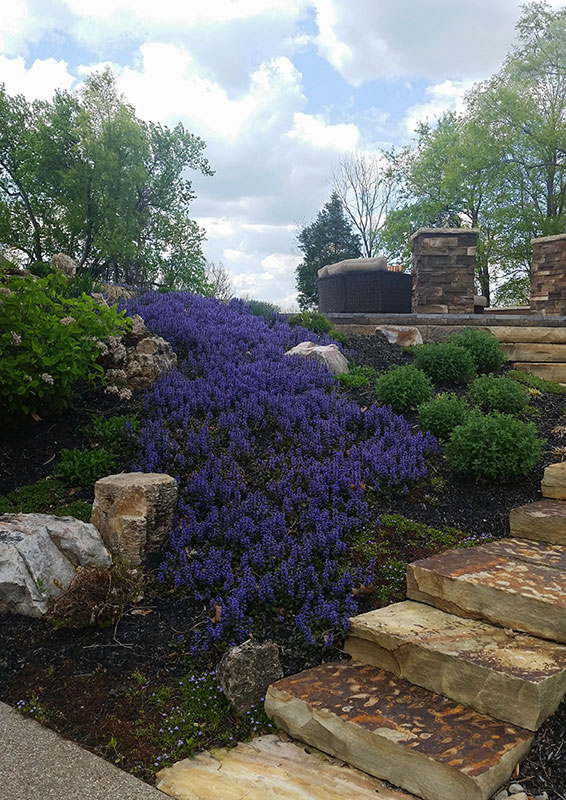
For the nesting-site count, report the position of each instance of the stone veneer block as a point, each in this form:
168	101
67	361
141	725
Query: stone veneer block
443	270
269	769
543	521
402	733
548	275
514	334
134	512
518	679
553	483
515	583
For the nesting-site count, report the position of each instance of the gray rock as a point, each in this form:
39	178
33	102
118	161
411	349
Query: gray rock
247	670
39	554
328	354
516	788
502	795
137	359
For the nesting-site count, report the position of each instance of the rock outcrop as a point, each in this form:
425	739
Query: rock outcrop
246	671
39	555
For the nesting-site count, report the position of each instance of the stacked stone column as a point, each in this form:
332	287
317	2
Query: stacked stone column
444	262
548	275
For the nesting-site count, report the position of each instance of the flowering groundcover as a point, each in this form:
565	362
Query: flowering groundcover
274	468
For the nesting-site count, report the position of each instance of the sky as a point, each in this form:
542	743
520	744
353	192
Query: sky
279	90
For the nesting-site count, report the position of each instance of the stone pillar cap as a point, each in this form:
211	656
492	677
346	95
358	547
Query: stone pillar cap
553	238
443	231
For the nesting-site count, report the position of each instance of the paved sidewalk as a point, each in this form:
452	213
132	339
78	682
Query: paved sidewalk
36	764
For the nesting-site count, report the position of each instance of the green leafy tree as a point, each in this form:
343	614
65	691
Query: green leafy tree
325	241
84	176
501	164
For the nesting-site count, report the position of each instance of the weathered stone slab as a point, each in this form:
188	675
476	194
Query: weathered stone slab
409	736
537	352
328	354
517	678
514	583
548	371
403	335
270	769
553	483
520	335
543	521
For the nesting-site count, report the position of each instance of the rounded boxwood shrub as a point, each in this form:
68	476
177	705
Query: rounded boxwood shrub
445	362
317	323
495	447
442	414
489	393
403	388
483	347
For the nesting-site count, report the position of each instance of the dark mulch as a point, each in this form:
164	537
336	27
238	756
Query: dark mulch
83	677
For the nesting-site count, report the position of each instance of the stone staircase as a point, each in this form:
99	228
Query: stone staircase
444	690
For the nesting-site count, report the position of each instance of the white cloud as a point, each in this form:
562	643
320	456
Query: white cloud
365	40
315	131
39	82
441	97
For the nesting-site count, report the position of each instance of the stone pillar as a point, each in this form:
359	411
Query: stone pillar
548	275
444	262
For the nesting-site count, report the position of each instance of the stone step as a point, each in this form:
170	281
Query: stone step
402	733
514	677
515	583
553	482
538	352
548	371
543	521
270	769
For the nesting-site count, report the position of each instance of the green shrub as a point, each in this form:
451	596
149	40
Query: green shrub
34	497
114	434
317	323
442	414
359	377
403	388
48	342
485	349
79	509
534	382
41	268
82	468
261	308
495	447
489	393
445	363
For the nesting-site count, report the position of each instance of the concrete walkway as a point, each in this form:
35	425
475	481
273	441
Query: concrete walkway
36	764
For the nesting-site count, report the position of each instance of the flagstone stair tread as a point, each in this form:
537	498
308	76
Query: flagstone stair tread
544	520
268	768
405	734
515	583
517	678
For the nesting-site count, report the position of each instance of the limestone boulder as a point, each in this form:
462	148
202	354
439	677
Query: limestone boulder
543	521
39	555
403	335
134	513
328	354
246	671
554	481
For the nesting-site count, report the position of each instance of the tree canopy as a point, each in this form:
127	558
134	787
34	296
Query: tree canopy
84	176
325	241
500	165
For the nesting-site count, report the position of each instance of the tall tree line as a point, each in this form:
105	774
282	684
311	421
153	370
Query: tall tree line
84	176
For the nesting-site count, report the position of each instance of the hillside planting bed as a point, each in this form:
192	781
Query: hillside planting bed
300	502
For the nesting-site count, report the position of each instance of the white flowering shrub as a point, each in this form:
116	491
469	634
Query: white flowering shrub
48	342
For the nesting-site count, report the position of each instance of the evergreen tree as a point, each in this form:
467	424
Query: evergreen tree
325	241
